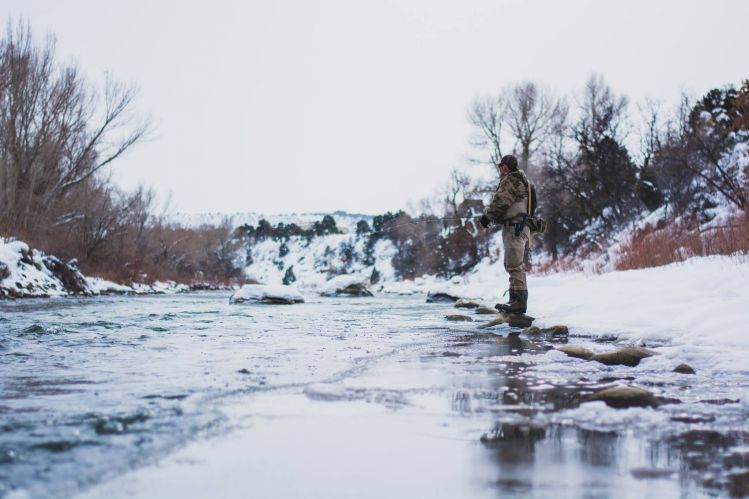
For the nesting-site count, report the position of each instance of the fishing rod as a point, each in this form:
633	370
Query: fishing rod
429	220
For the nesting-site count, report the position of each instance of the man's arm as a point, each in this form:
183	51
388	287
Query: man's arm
507	194
500	204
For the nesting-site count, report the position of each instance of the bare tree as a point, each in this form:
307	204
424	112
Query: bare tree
531	113
601	113
485	115
55	132
651	136
456	192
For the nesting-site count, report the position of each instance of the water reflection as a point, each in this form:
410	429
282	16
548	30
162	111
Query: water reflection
532	455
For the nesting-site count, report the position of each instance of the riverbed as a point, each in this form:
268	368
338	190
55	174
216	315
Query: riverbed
189	396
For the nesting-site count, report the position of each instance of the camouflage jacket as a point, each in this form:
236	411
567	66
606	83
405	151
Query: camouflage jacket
511	198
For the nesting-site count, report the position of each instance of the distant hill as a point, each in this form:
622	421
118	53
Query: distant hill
344	220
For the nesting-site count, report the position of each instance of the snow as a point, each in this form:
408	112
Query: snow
28	279
314	261
160	287
596	415
260	292
699	307
101	286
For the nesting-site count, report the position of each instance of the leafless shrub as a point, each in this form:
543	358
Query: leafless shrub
653	247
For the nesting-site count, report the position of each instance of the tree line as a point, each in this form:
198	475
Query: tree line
592	182
59	136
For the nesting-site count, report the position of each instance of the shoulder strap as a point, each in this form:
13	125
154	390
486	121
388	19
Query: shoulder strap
529	198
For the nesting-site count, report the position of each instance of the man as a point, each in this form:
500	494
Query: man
509	207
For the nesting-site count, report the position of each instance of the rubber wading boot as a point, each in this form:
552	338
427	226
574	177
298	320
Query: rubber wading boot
518	303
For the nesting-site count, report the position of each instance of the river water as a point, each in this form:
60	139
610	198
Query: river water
189	396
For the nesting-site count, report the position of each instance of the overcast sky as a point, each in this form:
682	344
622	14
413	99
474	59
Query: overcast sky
301	105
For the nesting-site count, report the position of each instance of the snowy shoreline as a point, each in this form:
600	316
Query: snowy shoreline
29	273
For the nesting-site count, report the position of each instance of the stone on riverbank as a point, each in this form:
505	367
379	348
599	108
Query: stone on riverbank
463	303
484	310
576	351
68	274
458	318
627	356
622	397
684	369
260	293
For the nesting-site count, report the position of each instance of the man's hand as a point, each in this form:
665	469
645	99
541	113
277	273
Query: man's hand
485	221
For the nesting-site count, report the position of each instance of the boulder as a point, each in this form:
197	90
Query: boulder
628	356
4	271
576	351
458	318
499	319
684	369
346	285
621	397
441	298
355	290
463	303
68	274
484	310
260	293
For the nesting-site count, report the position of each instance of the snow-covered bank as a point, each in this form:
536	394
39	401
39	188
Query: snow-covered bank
700	306
27	273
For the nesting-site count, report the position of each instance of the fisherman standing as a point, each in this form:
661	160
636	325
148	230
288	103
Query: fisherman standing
509	207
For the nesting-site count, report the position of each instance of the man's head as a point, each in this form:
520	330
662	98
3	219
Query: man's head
508	164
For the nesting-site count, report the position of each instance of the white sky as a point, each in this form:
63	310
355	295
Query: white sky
300	105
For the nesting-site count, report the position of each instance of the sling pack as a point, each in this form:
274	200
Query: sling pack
535	224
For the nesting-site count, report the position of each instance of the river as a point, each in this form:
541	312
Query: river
189	396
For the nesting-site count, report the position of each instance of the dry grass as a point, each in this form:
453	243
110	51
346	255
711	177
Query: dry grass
654	247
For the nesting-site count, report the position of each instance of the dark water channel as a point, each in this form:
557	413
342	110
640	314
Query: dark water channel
92	389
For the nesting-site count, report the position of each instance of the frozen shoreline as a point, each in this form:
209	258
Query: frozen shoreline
29	273
699	307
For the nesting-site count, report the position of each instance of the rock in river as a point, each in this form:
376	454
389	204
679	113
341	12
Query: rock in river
484	310
441	298
513	320
576	351
458	318
621	397
463	303
628	356
346	285
276	295
684	369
